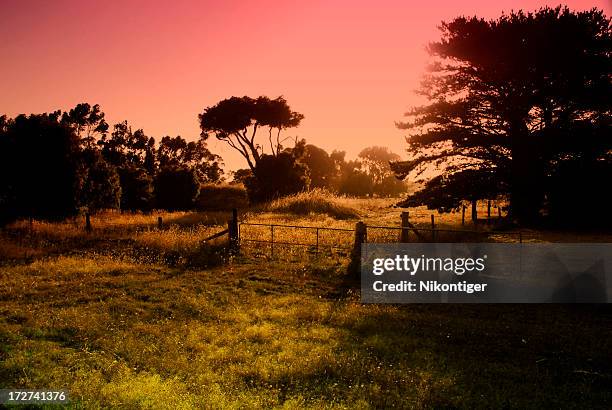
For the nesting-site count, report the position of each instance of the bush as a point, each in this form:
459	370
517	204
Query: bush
317	201
356	183
276	176
176	188
216	197
136	189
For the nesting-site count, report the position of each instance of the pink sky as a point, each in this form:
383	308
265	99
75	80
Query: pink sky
350	67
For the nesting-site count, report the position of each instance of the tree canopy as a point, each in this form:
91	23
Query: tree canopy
236	121
510	100
56	164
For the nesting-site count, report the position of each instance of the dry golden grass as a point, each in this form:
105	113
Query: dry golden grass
317	201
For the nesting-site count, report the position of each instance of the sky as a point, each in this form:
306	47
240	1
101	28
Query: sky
351	67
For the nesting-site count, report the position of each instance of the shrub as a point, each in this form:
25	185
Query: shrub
215	197
275	176
136	188
176	188
317	201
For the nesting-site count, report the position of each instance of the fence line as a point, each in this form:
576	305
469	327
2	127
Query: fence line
400	235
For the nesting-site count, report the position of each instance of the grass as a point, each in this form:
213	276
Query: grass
128	317
121	334
313	202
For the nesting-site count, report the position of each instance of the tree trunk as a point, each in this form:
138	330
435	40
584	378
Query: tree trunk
525	190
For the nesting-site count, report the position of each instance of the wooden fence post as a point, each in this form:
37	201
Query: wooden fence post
433	228
87	222
489	210
499	211
474	212
361	235
463	215
160	223
404	235
232	230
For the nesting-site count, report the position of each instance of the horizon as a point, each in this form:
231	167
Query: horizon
351	69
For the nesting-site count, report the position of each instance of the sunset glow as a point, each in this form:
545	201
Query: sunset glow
350	67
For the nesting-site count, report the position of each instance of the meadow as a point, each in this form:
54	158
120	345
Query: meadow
132	316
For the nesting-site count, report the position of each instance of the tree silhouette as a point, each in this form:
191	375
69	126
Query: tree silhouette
512	99
176	188
284	175
236	121
87	121
39	168
100	187
133	154
376	162
323	171
177	152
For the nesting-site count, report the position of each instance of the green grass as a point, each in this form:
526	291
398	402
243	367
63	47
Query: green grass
119	333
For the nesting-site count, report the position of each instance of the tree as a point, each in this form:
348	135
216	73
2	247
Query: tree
241	175
323	169
512	99
176	188
100	186
87	121
284	175
136	188
444	191
376	162
236	121
176	152
126	148
356	183
39	168
133	155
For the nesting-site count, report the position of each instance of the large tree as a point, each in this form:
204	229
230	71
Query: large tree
510	100
133	154
99	187
40	168
236	121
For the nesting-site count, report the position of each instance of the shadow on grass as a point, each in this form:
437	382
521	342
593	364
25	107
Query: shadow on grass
486	356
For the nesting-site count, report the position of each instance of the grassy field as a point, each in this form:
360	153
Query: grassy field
129	316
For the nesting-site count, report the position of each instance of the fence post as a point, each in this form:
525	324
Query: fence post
361	235
232	230
160	223
433	228
489	210
474	212
499	211
404	234
271	241
462	215
87	222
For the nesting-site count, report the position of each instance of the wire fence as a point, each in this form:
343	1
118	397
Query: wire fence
275	240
